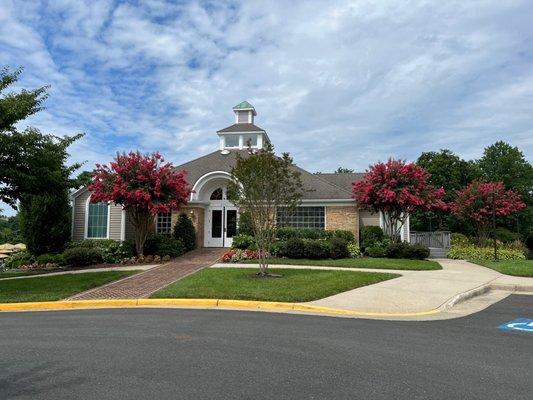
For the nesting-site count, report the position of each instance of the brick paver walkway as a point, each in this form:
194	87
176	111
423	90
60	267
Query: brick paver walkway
145	283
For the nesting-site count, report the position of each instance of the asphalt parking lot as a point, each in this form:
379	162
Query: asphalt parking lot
215	354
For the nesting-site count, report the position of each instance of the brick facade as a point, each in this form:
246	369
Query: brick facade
343	217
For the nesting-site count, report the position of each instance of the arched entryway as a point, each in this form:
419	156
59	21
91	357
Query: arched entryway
221	216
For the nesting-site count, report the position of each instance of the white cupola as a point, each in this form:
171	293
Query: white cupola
243	133
244	113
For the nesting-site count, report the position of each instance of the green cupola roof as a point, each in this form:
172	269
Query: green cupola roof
244	105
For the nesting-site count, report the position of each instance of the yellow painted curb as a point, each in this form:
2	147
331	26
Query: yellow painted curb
199	303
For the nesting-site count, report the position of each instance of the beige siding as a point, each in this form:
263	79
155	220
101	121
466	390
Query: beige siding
79	206
343	217
115	222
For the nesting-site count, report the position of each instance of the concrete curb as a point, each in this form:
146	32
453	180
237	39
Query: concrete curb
200	303
469	294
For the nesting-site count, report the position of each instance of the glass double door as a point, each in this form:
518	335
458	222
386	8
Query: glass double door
221	226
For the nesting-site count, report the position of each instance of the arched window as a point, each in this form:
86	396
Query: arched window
97	220
216	195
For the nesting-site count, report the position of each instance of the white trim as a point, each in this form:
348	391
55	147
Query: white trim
72	204
86	227
78	192
206	178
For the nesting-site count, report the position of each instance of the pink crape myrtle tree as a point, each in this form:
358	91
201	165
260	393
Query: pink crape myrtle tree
143	185
395	189
480	202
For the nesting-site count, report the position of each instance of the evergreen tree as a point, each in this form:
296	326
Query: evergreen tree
184	230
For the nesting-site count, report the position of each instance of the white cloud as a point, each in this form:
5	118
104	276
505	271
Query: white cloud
344	83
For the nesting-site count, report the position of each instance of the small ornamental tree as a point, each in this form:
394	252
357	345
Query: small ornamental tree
479	202
144	185
262	183
395	189
184	231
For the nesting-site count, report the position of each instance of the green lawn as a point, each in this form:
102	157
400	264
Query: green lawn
510	267
50	288
377	263
295	285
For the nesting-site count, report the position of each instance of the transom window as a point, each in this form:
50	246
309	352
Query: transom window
302	217
217	194
97	220
164	223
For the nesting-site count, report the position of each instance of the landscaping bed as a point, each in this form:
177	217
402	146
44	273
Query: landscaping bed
509	267
58	287
376	263
295	285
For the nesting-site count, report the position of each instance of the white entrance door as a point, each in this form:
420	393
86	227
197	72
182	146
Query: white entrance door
221	226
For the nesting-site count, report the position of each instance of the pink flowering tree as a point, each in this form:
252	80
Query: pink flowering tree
479	202
143	185
395	189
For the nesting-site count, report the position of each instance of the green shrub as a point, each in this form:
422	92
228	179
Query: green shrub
353	250
81	256
50	259
244	242
164	245
343	234
506	236
370	235
396	250
278	248
285	233
317	249
458	239
245	226
416	252
294	248
184	231
376	251
339	248
18	259
472	252
113	251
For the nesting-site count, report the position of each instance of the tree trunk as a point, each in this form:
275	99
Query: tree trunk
142	221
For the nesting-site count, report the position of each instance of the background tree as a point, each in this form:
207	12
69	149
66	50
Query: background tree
33	165
342	170
449	171
479	201
184	231
143	185
502	162
45	222
9	230
263	183
396	189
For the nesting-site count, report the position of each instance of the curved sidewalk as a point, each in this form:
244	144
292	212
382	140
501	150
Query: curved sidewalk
426	290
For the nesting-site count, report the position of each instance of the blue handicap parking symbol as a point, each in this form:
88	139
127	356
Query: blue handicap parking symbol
520	324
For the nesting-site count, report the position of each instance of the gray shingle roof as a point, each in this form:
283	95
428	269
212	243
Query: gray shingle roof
236	128
317	186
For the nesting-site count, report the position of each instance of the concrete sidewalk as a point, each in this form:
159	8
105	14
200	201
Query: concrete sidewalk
419	291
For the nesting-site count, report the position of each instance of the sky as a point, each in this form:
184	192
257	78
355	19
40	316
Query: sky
335	83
